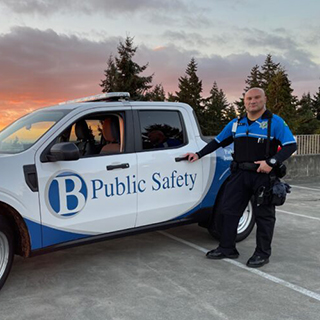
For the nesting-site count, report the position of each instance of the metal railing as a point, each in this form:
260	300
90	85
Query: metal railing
308	144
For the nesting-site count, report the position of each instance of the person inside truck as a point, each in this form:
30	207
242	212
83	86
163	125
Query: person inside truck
159	140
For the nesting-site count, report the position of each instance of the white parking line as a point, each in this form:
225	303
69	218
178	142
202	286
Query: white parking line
307	188
298	215
262	274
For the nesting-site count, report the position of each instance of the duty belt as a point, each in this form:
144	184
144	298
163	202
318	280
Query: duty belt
248	166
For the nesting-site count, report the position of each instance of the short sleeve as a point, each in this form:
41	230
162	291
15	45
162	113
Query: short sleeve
226	132
282	132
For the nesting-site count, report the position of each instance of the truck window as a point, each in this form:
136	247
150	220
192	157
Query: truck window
96	134
23	133
161	129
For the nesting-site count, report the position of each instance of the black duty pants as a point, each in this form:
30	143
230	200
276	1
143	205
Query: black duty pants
240	187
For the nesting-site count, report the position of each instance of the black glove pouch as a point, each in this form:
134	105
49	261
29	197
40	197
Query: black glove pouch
275	195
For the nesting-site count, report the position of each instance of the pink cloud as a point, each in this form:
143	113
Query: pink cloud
43	68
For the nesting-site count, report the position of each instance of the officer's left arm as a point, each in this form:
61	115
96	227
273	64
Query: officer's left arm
285	152
283	134
288	143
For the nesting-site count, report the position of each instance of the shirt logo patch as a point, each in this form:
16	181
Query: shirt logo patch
263	125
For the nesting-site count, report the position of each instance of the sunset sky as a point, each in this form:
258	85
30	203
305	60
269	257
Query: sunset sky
56	50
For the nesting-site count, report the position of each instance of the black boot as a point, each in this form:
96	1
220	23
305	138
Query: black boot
257	261
219	254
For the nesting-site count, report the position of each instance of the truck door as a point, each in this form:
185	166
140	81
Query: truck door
93	195
173	188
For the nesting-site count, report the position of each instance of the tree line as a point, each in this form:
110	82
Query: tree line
214	112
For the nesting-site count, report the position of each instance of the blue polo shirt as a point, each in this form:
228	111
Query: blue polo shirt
250	140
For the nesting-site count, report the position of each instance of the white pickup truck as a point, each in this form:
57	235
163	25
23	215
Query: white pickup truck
103	167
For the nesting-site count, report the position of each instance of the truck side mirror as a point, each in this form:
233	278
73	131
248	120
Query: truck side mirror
64	151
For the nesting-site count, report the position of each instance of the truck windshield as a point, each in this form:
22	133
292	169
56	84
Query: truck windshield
23	133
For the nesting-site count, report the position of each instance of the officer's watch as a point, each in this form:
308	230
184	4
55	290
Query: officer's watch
272	162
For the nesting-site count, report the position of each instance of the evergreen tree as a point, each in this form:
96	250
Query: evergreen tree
111	76
217	112
269	70
156	94
254	79
213	111
123	74
229	114
190	88
307	122
274	80
280	99
315	105
172	97
240	105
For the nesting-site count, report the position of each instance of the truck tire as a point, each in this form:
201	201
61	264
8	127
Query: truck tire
6	250
245	226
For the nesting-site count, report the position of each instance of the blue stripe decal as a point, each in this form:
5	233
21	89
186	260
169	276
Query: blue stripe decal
35	234
51	235
219	177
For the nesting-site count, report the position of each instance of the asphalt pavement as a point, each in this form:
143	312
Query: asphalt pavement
165	275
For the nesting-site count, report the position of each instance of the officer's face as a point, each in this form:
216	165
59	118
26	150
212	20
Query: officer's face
254	101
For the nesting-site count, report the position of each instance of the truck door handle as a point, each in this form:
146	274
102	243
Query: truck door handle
118	166
178	159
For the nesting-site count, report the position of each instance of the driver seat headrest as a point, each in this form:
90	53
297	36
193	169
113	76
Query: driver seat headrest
82	130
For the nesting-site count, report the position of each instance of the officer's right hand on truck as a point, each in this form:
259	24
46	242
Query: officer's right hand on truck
192	157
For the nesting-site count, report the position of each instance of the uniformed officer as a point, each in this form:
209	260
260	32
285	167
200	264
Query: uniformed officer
255	156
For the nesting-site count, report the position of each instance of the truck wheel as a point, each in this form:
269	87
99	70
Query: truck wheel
246	223
6	250
245	226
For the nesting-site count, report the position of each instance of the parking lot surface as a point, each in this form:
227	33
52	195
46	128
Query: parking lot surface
165	275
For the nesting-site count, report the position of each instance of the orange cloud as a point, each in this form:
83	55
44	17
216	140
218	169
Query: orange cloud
11	110
159	48
40	68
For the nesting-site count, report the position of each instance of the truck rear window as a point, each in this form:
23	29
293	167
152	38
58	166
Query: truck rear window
161	129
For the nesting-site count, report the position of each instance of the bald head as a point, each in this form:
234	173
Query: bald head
256	89
255	102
